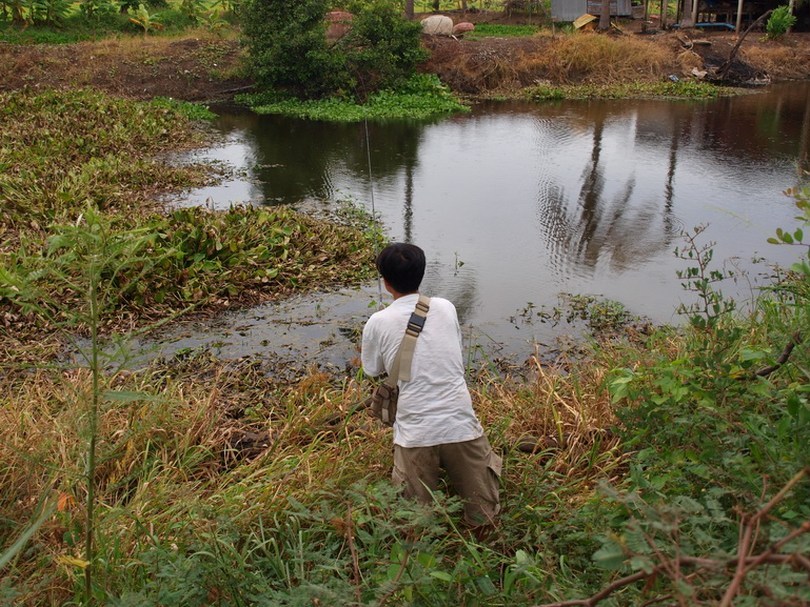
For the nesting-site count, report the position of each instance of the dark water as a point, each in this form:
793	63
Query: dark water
516	204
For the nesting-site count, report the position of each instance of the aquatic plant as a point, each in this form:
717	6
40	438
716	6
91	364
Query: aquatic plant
487	30
103	151
103	161
683	89
424	96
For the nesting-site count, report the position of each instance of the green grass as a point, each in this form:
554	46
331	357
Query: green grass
192	111
488	30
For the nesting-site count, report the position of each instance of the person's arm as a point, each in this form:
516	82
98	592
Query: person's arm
370	352
458	329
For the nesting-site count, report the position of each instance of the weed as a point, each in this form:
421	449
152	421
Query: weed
669	90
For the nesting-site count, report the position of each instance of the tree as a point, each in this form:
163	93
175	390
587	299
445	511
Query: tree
687	17
409	13
382	49
289	52
604	16
286	40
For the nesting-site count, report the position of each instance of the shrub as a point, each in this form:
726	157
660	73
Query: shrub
780	22
289	52
382	48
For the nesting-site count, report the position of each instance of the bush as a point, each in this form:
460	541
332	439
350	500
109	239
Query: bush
780	22
289	52
382	49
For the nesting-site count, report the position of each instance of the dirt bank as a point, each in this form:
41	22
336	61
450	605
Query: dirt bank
193	68
207	68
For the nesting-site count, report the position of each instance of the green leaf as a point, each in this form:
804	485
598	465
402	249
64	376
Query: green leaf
442	575
49	507
486	586
610	556
641	563
748	354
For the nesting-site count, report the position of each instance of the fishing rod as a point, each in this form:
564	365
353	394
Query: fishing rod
373	208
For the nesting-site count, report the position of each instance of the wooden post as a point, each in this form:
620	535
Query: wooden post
738	29
646	16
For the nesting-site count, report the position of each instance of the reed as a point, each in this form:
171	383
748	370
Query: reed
602	59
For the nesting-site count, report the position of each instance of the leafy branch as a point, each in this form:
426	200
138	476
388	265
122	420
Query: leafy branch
743	563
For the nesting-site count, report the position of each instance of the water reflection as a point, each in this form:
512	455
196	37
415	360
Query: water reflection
517	203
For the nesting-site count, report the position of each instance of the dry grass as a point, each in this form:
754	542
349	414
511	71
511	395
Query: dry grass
189	441
603	59
782	62
503	64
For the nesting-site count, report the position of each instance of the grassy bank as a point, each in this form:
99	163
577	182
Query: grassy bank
199	65
634	90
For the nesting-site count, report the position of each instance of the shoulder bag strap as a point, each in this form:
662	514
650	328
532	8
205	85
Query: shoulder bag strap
401	370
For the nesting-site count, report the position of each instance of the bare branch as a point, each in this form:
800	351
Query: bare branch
795	340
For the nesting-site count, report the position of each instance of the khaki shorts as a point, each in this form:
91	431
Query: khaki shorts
473	470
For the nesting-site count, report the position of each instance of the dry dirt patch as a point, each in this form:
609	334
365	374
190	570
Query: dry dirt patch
192	68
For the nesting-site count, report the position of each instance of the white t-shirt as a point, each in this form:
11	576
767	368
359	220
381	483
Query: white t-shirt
434	407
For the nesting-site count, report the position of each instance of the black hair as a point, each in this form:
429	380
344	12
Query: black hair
403	265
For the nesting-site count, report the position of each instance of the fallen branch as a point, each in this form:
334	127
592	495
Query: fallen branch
745	543
723	71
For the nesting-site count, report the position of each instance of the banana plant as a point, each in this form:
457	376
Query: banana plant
146	21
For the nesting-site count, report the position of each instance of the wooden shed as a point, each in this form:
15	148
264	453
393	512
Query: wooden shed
568	10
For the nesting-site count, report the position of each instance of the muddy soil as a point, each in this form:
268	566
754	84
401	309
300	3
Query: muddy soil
205	68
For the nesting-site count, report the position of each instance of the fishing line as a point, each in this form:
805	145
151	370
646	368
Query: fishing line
373	209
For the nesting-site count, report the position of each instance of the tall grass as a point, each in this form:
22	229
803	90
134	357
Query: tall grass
201	454
477	67
602	59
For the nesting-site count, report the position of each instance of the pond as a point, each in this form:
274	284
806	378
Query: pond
516	204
